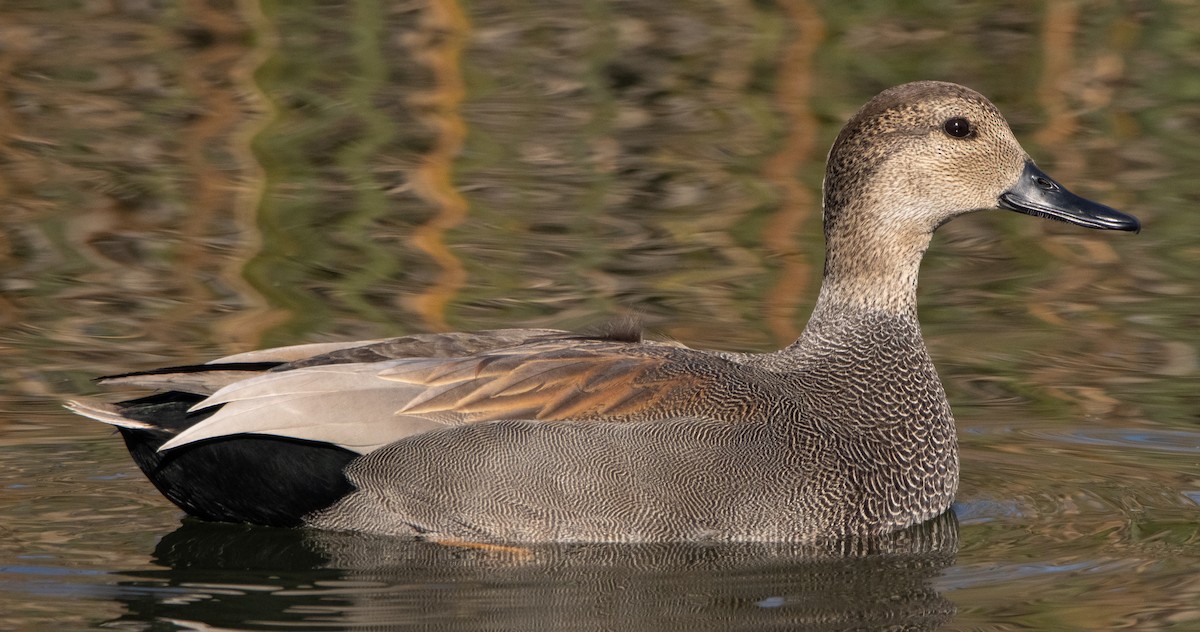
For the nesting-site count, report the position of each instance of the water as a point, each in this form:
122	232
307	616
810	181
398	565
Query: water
185	180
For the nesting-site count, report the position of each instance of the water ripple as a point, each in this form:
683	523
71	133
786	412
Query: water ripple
1175	441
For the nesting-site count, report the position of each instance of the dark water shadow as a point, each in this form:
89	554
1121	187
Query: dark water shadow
237	577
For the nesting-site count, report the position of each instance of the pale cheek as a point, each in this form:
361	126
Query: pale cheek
984	195
936	198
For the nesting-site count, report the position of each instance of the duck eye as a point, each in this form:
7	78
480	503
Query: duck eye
958	127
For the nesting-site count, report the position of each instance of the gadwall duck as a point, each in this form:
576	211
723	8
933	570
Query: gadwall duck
543	435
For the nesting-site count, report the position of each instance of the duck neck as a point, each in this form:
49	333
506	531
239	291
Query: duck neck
871	269
868	296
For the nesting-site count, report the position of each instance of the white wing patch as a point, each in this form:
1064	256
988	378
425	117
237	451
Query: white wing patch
344	404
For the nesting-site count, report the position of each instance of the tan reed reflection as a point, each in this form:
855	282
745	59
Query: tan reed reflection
445	28
1058	76
795	76
216	155
245	327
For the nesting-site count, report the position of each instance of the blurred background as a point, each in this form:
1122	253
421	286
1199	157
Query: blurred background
186	179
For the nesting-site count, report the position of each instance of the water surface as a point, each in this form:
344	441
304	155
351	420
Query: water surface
185	180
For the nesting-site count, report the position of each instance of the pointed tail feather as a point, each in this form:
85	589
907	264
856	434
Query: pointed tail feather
105	413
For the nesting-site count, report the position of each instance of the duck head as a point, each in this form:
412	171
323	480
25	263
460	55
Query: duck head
920	154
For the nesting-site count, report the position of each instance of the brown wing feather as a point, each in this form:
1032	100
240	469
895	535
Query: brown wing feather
549	381
443	345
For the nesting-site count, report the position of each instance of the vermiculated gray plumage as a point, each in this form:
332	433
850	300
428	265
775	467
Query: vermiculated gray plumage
758	453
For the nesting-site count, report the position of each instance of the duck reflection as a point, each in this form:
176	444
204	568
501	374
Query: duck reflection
244	577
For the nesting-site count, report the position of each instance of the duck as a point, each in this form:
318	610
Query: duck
544	435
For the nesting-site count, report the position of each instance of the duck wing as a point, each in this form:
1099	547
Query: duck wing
365	406
546	382
208	378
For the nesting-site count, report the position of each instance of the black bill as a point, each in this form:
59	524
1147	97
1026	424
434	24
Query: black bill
1037	194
